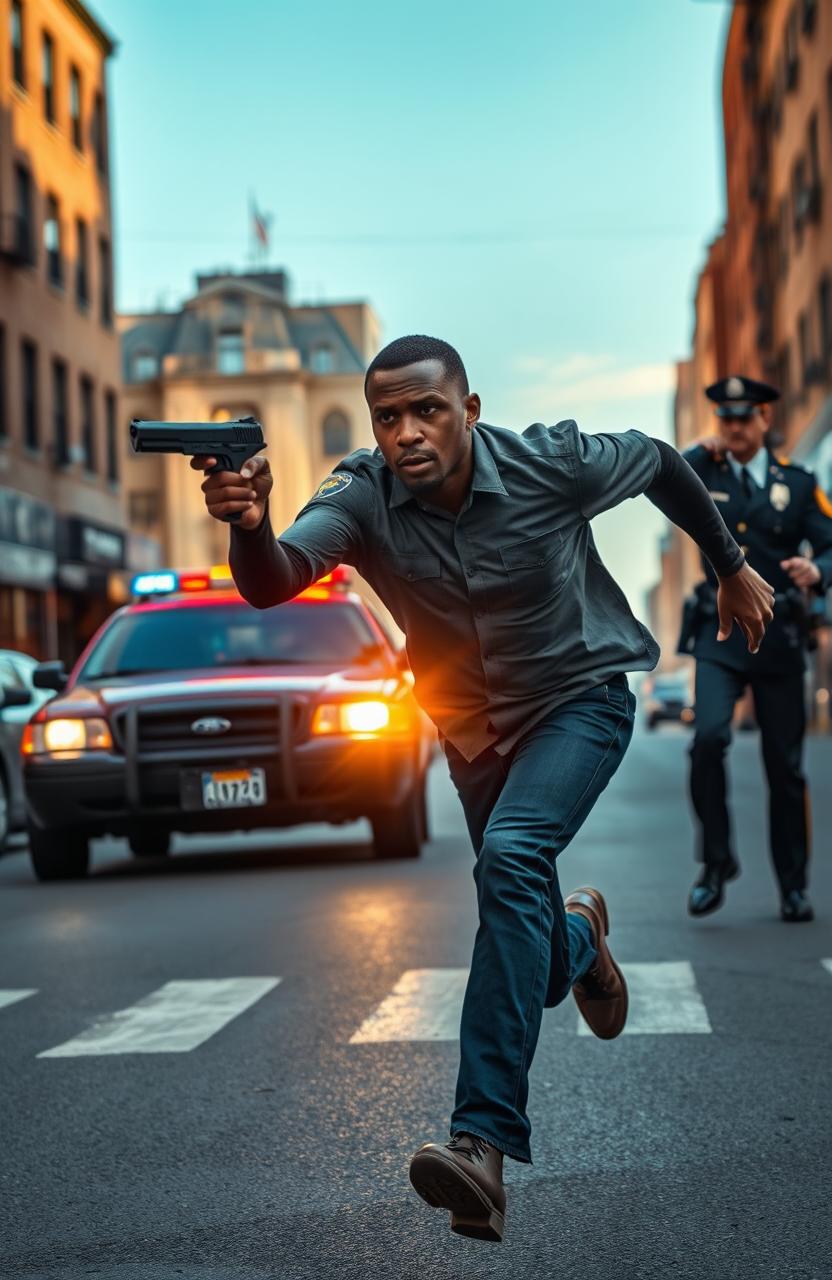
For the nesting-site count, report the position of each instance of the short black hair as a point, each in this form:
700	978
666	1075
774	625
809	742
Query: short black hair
417	347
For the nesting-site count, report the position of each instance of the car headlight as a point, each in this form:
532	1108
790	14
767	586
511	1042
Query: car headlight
65	736
367	718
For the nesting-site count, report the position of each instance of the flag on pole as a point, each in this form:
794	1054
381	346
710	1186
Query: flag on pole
260	226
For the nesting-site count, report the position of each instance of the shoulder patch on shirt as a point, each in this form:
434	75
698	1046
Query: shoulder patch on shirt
333	484
823	502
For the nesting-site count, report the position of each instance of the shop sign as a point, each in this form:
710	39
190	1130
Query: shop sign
92	544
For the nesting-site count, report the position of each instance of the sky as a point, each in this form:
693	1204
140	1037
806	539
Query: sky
535	182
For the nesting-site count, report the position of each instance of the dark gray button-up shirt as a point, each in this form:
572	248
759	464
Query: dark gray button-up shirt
506	606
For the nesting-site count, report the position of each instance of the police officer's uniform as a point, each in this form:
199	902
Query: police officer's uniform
770	520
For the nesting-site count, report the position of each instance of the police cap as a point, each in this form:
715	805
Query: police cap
738	397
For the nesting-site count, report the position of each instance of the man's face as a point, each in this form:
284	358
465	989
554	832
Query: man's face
422	422
743	437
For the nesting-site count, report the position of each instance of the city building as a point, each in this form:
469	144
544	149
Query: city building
240	347
62	533
763	302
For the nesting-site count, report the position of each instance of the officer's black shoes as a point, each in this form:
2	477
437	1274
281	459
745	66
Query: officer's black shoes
796	908
708	894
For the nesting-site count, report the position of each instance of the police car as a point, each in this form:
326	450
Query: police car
192	711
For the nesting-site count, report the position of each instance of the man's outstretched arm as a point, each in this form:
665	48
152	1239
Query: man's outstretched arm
743	596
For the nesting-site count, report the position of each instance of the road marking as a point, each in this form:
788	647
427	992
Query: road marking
827	964
174	1019
425	1004
12	997
664	1000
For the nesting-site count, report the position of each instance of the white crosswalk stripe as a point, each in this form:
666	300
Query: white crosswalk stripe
425	1004
664	1000
174	1019
12	997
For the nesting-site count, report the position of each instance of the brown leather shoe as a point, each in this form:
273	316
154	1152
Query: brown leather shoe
466	1176
601	994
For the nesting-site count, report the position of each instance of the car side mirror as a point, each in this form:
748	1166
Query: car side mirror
13	697
50	675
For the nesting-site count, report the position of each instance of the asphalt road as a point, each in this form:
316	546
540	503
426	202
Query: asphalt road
273	1141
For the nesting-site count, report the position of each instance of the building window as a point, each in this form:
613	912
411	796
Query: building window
99	134
336	434
792	54
48	71
322	359
75	108
18	65
82	264
110	430
88	423
804	337
60	417
809	12
24	239
144	365
231	356
29	383
144	507
105	284
4	389
825	318
52	242
813	150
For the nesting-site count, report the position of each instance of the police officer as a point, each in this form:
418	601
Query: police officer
772	506
478	540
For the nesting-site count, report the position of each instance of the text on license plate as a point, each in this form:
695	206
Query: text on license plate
233	788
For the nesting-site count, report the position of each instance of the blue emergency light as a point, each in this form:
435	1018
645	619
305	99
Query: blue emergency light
154	584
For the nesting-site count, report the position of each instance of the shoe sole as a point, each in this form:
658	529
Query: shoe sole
443	1185
600	901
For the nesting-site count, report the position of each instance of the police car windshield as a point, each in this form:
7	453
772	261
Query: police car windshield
231	636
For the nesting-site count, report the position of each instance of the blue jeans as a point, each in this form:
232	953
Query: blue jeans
522	809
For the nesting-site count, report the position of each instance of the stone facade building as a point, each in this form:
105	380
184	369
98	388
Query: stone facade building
240	347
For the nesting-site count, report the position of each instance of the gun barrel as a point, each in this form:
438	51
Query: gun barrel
189	437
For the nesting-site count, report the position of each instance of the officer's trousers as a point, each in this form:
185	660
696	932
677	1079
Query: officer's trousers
781	715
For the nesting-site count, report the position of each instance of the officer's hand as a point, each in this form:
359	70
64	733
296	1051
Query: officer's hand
713	444
748	600
226	491
803	573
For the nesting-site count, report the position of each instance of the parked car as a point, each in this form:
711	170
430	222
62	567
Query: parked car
18	699
192	711
666	697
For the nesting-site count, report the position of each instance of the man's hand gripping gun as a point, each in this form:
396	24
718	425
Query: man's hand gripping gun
231	443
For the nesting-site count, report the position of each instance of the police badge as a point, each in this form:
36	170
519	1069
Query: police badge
780	495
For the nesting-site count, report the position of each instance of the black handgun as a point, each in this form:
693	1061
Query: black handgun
231	443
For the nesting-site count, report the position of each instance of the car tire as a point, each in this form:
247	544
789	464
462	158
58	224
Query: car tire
149	844
59	855
4	811
399	832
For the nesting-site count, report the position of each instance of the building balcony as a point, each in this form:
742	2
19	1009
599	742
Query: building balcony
253	361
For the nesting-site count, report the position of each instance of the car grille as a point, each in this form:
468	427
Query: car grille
165	729
170	730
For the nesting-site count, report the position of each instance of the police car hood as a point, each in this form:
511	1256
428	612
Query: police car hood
111	693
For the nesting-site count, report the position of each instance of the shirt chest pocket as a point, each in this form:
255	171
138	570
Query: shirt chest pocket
539	563
419	567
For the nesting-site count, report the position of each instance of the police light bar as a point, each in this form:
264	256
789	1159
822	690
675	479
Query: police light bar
160	583
338	577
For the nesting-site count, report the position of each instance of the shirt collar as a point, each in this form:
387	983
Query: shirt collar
486	477
757	467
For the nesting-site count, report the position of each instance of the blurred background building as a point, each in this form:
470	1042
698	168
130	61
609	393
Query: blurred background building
62	529
239	347
763	299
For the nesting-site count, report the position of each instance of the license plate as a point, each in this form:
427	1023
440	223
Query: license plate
233	788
